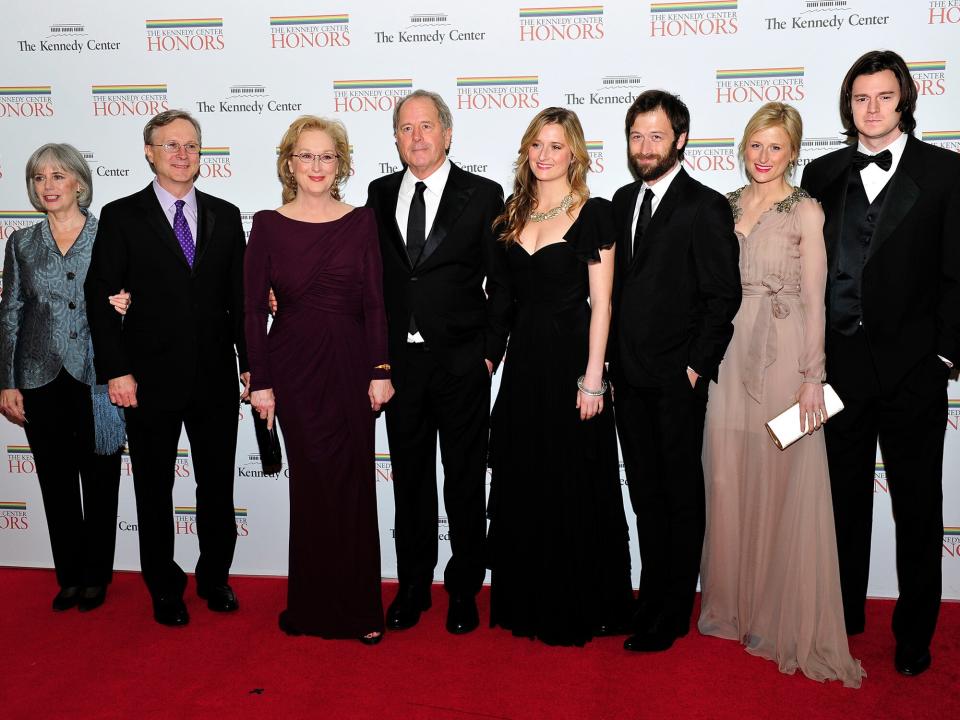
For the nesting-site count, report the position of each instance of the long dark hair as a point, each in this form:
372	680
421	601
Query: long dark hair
869	64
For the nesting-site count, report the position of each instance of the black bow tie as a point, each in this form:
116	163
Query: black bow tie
883	160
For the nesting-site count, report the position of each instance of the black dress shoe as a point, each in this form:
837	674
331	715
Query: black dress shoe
658	634
67	598
404	611
92	597
371	639
462	615
284	622
220	598
911	664
611	628
169	610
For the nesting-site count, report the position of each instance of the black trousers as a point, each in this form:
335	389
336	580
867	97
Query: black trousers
79	488
661	438
429	400
909	421
153	434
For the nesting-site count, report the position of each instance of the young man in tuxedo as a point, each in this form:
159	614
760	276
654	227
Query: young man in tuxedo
172	361
892	206
446	335
676	291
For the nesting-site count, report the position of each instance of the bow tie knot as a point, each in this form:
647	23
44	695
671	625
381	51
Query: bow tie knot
883	160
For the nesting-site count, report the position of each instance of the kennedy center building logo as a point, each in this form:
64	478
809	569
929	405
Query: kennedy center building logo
67	38
370	95
185	35
28	101
760	85
680	19
432	28
545	24
813	147
295	32
823	15
129	100
504	92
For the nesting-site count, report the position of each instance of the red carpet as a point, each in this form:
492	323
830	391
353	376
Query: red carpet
116	662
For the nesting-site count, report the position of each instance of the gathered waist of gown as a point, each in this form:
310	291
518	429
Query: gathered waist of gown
322	305
763	341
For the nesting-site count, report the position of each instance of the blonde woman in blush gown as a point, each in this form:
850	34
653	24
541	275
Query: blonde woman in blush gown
769	572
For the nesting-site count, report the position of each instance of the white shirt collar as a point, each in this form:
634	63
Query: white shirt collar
896	150
167	198
435	182
663	184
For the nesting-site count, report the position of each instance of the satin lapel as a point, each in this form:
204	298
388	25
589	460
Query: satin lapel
661	217
902	193
834	202
388	212
157	220
206	219
452	203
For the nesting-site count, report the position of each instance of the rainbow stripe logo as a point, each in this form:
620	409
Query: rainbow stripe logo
953	531
757	73
20	215
683	7
281	20
571	11
13	505
193	23
934	136
215	152
927	66
381	457
499	80
129	89
388	84
701	143
879	469
18	449
25	90
594	145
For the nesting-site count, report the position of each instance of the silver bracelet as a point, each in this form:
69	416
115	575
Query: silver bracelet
592	393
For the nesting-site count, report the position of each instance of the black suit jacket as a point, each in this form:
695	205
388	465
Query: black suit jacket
184	331
462	324
675	301
910	293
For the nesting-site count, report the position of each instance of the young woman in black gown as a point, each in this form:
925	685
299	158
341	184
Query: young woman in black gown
324	369
558	536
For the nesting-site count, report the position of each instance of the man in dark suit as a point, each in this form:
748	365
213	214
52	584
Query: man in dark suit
172	361
446	336
892	206
676	291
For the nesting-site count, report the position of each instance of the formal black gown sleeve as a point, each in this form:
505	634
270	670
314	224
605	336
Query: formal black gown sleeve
374	315
593	230
256	286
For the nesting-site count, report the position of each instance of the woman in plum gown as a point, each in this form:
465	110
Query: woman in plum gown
323	368
558	537
769	574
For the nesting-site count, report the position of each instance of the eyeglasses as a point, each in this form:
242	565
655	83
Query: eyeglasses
172	147
307	158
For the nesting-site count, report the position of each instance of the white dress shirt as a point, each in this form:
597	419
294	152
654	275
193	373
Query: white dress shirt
431	200
873	176
659	190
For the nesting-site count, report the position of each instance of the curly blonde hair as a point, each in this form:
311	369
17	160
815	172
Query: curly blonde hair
337	132
524	198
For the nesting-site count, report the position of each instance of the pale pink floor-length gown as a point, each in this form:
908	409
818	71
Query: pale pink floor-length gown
769	573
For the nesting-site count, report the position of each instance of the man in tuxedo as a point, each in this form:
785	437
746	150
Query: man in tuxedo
892	206
676	291
446	336
173	360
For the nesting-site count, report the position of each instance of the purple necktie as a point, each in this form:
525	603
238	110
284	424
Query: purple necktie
182	231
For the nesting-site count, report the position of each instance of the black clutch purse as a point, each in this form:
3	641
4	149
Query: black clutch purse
268	442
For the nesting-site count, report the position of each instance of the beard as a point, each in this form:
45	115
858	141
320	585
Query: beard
663	164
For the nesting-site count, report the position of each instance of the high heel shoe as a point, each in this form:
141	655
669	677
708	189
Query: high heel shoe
371	638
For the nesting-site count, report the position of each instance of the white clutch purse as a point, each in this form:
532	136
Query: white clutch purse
785	428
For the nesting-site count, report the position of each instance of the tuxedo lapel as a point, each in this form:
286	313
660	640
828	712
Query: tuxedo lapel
902	193
833	198
157	220
206	219
658	222
456	195
388	211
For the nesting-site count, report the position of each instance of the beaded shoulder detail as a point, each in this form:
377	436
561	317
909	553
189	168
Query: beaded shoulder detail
784	206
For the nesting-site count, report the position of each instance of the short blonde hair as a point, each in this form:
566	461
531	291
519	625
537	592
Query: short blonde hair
775	114
337	132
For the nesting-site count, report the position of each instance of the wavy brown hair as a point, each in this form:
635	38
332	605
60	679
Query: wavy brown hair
337	133
524	199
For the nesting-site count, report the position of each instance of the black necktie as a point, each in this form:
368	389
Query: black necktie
416	233
643	219
883	160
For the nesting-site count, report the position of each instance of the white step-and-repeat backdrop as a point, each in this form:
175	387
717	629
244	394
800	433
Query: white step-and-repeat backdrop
91	73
